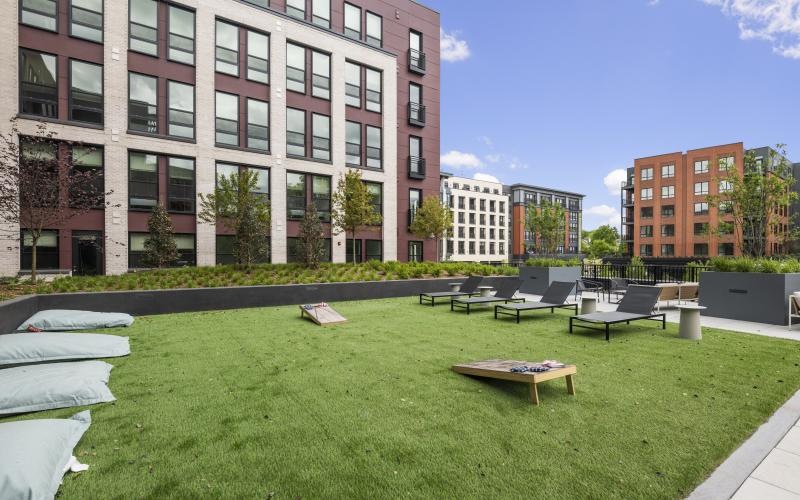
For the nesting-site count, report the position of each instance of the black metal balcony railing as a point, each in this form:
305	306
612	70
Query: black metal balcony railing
649	274
416	61
416	167
416	114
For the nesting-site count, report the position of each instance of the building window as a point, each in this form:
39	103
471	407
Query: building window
471	247
295	68
321	137
291	250
321	13
667	171
257	57
646	250
668	191
184	242
646	231
668	230
86	159
321	75
353	247
295	132
416	58
227	119
701	208
374	147
352	21
725	249
257	125
726	228
180	185
46	250
143	103
700	188
647	194
295	195
414	202
415	251
376	191
262	176
181	109
374	30
726	207
38	85
726	163
181	35
296	8
701	249
701	167
321	194
86	18
352	84
353	143
86	92
227	49
374	90
646	213
700	228
647	174
725	186
667	250
416	164
143	181
416	111
143	29
668	211
39	14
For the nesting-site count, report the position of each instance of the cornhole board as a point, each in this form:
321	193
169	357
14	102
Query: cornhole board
501	369
322	314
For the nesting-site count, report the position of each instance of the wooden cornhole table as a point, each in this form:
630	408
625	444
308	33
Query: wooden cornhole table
501	369
322	314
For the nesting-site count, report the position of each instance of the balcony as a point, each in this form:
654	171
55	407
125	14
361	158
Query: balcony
416	61
416	167
416	114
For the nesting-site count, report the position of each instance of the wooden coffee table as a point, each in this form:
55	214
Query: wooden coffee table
501	369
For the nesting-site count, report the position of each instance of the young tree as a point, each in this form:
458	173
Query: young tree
547	223
352	207
160	249
236	204
310	241
601	242
45	183
432	220
756	201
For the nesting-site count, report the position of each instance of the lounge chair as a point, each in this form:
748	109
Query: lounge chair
638	303
505	293
468	288
617	286
554	297
584	285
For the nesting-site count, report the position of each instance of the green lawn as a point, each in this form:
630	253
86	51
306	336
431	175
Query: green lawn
260	404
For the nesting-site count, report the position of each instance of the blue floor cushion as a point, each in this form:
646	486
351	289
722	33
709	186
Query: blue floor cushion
62	320
27	348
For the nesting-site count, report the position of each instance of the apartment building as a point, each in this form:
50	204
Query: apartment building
170	94
480	220
523	242
665	209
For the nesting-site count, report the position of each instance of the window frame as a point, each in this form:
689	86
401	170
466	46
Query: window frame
704	167
314	17
267	60
347	144
368	147
649	171
305	134
170	47
194	111
130	73
324	215
360	85
237	134
304	69
379	92
21	75
132	36
41	265
72	21
670	169
71	90
156	183
314	137
217	47
248	123
170	187
304	196
55	18
324	92
345	28
367	37
293	15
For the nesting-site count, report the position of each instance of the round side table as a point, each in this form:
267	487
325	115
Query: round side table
690	322
485	290
588	305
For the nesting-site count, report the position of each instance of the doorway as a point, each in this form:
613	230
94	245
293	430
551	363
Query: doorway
87	253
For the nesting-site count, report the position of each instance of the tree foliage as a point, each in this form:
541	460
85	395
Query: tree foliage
432	220
602	242
237	205
547	222
353	208
160	249
310	241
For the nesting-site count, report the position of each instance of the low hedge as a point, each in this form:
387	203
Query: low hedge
754	265
552	262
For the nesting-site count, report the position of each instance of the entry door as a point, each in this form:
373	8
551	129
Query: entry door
87	253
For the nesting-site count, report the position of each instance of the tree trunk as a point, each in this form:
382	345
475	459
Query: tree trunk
34	244
438	250
354	246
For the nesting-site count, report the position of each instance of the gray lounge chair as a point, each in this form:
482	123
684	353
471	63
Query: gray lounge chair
638	303
468	288
555	297
505	293
584	285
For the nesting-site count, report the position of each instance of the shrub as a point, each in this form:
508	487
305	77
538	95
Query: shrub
552	262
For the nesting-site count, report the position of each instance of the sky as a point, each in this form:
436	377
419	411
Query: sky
567	93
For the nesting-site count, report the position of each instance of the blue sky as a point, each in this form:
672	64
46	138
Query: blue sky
564	93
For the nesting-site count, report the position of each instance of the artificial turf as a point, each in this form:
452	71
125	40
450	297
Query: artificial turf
261	404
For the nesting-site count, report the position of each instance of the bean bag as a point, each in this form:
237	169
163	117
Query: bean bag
27	348
63	320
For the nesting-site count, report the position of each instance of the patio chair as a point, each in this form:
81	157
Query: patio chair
505	293
617	286
794	309
637	304
555	297
468	288
584	285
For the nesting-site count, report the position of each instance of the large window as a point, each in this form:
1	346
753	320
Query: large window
321	194
180	185
352	21
701	228
89	159
374	29
646	212
374	147
39	13
38	84
86	92
295	68
646	250
667	171
668	230
143	29
262	176
701	249
725	249
257	125
701	208
353	251
143	181
667	211
143	103
291	250
46	250
227	119
668	191
227	49
725	186
726	163
321	13
184	242
415	250
181	109
667	250
321	75
374	249
416	165
352	84
321	137
646	231
701	167
295	132
647	174
416	111
296	8
374	90
376	191
86	19
181	35
257	57
414	202
700	188
416	58
295	195
353	143
647	194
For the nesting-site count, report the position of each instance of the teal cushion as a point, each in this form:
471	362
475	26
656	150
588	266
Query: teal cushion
30	388
63	320
35	453
27	348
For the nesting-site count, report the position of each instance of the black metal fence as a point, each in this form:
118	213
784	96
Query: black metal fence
644	275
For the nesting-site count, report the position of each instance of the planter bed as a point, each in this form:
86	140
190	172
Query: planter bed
756	297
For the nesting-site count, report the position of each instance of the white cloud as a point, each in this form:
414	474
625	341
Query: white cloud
599	215
486	140
614	180
457	159
485	177
493	158
775	21
653	3
452	48
517	164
